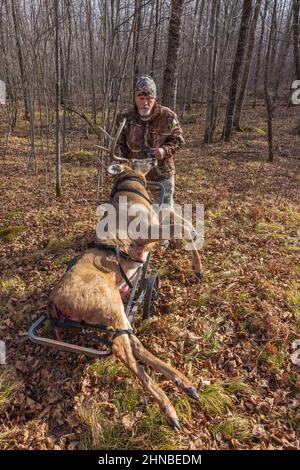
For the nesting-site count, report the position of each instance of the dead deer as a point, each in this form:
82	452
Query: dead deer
91	291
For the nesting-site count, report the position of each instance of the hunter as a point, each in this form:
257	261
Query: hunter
151	130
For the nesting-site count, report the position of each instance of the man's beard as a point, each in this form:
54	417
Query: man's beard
145	112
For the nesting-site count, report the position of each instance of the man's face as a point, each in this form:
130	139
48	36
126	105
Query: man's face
145	105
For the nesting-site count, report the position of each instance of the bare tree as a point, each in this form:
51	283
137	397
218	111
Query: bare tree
57	98
90	16
269	98
171	67
241	45
247	64
155	37
259	53
21	59
136	39
211	78
296	36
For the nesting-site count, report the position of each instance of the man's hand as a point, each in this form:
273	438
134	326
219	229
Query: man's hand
158	153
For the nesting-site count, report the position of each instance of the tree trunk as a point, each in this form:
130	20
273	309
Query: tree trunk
283	53
21	61
92	60
155	38
248	60
259	52
136	40
57	98
191	57
171	68
268	96
240	52
211	92
296	27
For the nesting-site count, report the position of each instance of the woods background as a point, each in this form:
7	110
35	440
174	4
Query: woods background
230	69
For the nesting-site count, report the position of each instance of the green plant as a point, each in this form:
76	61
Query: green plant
234	428
11	232
215	398
9	386
293	297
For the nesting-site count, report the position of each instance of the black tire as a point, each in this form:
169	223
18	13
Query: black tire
151	294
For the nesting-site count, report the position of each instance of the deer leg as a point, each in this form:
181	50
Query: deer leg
146	357
122	350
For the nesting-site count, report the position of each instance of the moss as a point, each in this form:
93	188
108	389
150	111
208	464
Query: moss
78	153
80	157
11	284
265	227
14	215
59	244
64	259
202	300
11	232
216	213
253	129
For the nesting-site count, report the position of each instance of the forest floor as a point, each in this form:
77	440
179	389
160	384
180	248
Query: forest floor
231	335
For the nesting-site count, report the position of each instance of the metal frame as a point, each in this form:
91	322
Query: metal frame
62	345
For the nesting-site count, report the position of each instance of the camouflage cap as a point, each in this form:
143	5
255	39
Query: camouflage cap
145	86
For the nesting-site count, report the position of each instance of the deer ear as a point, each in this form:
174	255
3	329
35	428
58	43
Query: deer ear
115	169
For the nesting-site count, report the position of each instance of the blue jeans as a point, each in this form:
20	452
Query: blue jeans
168	200
169	187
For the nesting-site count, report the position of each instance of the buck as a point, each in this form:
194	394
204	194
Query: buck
92	290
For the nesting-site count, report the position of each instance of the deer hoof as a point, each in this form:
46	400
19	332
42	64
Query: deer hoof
192	392
200	276
174	424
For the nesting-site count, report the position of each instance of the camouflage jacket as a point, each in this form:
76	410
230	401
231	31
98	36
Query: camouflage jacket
161	130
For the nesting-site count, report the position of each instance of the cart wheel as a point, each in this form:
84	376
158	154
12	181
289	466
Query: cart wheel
151	294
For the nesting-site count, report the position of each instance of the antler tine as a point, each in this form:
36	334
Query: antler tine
112	139
114	157
115	140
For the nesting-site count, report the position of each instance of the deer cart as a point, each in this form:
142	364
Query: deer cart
143	293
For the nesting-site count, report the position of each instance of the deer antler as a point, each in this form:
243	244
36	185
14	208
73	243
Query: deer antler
98	130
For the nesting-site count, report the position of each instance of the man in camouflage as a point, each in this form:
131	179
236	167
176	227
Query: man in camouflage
151	129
